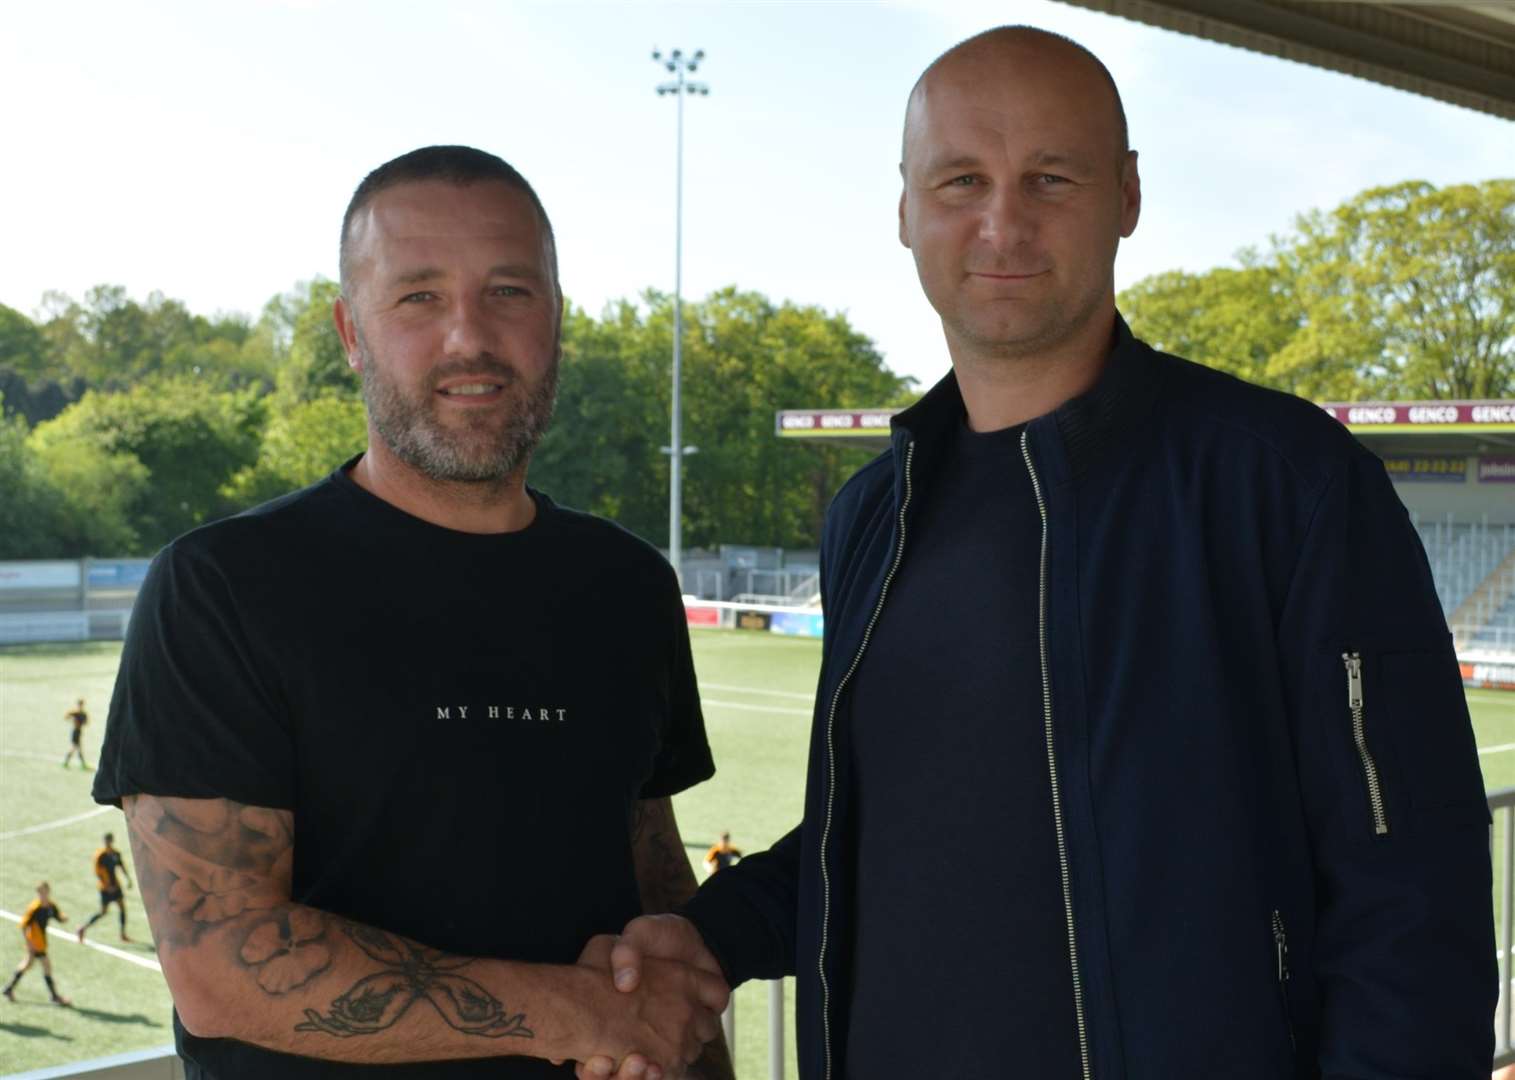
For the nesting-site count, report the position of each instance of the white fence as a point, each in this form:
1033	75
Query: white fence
67	599
1502	847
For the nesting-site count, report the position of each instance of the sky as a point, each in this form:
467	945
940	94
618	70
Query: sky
207	150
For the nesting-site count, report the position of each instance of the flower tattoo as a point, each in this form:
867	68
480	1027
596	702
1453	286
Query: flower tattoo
411	973
286	952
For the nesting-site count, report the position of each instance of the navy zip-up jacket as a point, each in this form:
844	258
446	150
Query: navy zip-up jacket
1270	814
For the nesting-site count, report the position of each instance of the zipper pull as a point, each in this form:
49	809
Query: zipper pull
1281	946
1353	662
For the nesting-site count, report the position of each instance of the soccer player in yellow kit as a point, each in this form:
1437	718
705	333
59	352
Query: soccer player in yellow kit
108	863
34	922
721	855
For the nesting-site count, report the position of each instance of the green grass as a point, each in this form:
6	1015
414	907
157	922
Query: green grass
757	715
756	690
118	1005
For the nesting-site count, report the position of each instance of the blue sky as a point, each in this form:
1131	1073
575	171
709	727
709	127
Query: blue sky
208	149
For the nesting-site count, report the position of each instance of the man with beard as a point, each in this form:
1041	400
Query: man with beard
363	734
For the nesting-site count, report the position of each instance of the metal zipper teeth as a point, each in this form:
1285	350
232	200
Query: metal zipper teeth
836	697
1353	663
1057	802
1281	947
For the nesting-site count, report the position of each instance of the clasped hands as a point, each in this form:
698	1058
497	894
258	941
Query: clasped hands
668	999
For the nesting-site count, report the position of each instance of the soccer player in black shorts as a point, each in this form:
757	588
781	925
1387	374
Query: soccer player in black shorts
34	922
108	863
79	718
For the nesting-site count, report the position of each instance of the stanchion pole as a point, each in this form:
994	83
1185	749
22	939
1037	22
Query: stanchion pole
776	1030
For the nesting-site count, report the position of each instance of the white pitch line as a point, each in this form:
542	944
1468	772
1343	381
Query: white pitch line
48	825
757	708
755	690
1501	748
67	935
30	755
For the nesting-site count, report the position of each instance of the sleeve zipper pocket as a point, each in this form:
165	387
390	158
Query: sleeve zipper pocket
1281	950
1353	663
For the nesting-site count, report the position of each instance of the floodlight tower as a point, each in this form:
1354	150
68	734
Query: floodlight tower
678	65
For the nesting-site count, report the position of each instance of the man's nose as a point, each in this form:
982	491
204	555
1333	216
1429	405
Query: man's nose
1006	220
467	332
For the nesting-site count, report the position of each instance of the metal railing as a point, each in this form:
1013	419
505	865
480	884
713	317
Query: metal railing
1462	555
775	1028
1487	637
152	1064
1502	843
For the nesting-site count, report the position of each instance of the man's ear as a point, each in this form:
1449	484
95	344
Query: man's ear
904	229
1130	194
347	330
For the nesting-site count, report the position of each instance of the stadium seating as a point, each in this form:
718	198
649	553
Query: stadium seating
1473	566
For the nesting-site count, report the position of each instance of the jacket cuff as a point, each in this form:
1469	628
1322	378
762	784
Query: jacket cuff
733	930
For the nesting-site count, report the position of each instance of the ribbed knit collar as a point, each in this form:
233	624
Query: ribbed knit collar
1090	425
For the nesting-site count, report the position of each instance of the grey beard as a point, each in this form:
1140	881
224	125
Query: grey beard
410	430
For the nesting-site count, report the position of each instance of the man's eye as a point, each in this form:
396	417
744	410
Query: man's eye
966	180
510	290
416	297
1051	178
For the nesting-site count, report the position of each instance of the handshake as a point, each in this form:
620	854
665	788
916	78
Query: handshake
667	998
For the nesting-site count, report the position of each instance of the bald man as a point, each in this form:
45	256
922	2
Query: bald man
1140	748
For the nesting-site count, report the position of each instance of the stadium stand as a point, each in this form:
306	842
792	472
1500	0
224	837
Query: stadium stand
1473	566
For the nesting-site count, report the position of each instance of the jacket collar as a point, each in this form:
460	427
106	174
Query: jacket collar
1089	426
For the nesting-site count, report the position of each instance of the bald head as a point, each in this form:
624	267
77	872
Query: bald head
1008	53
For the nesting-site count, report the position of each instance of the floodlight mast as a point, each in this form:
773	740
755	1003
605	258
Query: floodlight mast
678	65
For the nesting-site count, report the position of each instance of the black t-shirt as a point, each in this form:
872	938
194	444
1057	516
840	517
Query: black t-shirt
958	923
454	719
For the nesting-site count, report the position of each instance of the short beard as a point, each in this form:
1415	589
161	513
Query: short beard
410	429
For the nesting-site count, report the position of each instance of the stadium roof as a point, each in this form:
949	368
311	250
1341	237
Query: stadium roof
1463	53
1388	428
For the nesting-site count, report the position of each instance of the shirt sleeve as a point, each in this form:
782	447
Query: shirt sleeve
684	756
196	711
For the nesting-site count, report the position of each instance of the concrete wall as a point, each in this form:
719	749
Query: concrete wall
1466	499
159	1064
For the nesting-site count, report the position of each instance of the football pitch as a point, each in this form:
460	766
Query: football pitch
756	690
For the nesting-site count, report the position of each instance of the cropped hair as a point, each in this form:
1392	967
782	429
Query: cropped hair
461	165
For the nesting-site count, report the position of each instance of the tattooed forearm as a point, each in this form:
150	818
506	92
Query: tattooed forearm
242	959
201	862
411	973
664	875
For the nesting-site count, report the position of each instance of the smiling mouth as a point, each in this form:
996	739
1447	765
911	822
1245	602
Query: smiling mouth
471	389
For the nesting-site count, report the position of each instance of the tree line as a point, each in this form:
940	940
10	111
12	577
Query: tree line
124	423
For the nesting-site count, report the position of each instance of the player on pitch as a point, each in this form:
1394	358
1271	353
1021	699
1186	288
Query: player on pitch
34	920
78	717
109	863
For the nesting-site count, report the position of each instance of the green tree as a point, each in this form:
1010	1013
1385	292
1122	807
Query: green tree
601	453
745	357
1405	291
316	363
110	341
1410	287
96	490
190	437
23	350
29	376
1235	320
301	444
32	515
